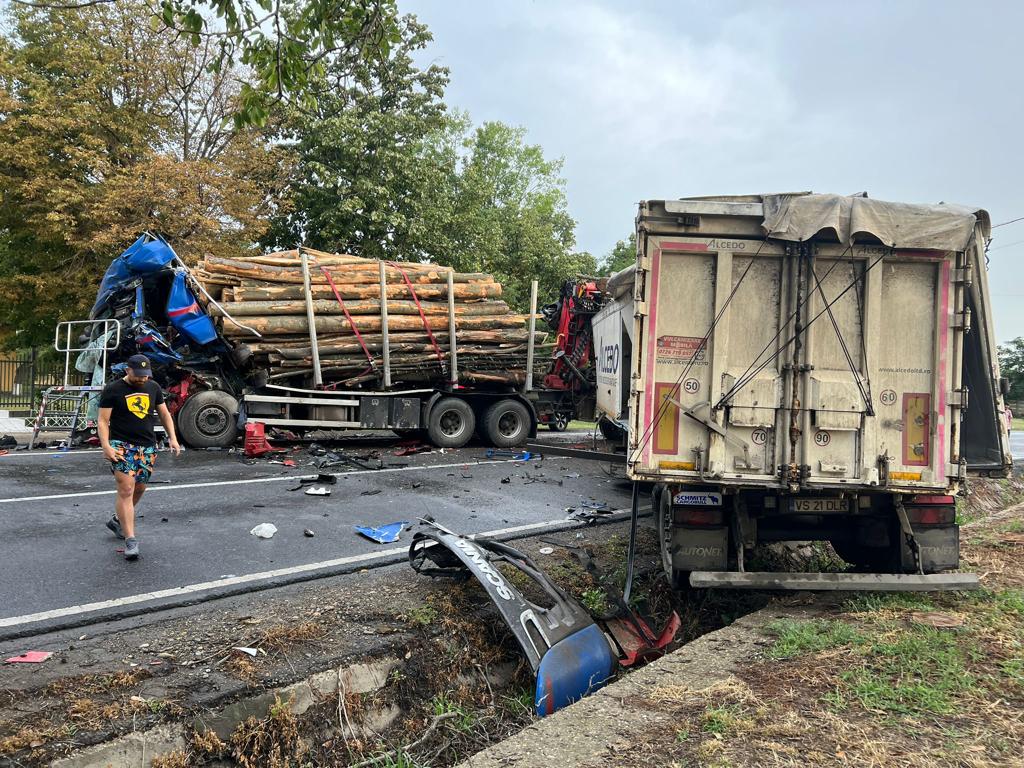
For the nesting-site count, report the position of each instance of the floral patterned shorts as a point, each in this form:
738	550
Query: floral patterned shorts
134	460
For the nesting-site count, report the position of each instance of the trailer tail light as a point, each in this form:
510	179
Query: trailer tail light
931	515
931	510
697	516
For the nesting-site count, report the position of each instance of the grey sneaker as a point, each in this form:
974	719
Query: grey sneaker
131	549
115	527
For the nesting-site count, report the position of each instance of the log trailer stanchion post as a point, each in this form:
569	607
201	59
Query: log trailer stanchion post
318	379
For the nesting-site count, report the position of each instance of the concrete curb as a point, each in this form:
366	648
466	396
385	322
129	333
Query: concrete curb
140	748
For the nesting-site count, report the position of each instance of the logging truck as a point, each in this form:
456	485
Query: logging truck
318	350
812	367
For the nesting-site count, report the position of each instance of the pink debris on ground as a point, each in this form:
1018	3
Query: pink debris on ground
29	657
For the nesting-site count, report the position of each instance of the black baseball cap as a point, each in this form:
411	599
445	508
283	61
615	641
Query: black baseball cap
139	365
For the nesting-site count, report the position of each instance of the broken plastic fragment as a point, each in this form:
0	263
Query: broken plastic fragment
385	534
29	657
246	651
318	490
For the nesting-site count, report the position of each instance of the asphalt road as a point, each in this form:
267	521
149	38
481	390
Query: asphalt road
58	560
1017	445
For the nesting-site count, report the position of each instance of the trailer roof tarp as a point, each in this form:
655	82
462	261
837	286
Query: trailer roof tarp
801	216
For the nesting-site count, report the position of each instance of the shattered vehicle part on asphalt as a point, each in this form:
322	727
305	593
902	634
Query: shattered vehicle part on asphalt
384	534
566	649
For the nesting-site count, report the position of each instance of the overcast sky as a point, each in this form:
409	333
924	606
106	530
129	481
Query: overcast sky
911	101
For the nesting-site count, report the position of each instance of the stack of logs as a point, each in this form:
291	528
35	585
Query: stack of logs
268	295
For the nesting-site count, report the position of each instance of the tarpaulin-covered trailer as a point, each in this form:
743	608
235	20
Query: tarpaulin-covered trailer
811	367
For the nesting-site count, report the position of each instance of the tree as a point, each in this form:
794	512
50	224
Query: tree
374	158
108	128
621	256
511	216
1011	366
282	43
382	169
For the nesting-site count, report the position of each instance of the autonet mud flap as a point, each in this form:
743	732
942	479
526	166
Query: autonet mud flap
567	650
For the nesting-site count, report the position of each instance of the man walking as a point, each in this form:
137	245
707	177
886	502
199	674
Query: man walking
126	432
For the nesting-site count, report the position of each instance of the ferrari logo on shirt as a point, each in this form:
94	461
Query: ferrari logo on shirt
138	404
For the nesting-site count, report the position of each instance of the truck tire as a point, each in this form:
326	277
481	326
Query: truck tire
559	422
208	419
661	503
451	423
507	424
611	431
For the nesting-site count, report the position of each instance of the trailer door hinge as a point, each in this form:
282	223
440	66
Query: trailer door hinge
962	320
640	309
958	398
964	276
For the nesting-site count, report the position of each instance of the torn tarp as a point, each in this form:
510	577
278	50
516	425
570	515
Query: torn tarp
799	217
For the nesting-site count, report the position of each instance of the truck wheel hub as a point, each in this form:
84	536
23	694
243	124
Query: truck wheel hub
451	423
211	420
509	425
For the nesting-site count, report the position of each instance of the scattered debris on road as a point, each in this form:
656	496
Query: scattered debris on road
264	530
29	657
384	534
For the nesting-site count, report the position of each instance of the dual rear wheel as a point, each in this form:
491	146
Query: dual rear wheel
503	424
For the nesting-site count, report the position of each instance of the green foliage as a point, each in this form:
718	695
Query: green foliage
282	44
595	601
721	720
800	637
443	704
621	256
384	170
920	671
100	140
1011	366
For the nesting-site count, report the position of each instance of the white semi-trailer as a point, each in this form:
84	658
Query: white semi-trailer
812	367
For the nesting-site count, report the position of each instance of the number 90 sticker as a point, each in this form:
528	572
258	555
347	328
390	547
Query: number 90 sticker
822	438
759	437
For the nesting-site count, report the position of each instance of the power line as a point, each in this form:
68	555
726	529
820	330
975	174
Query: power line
1006	245
1011	221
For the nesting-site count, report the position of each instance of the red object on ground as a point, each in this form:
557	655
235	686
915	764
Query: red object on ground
288	463
256	440
637	642
29	657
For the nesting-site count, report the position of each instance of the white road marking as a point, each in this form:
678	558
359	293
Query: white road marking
160	594
154	488
76	452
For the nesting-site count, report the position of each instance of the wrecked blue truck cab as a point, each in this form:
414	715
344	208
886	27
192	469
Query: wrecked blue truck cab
156	300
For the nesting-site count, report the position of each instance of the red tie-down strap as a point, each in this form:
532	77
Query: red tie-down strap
351	322
423	317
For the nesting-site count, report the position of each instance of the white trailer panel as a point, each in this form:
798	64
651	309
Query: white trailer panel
767	362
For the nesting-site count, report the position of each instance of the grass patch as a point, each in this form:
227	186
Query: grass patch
881	601
721	720
422	616
920	671
796	638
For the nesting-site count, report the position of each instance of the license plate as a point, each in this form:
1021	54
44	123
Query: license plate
812	506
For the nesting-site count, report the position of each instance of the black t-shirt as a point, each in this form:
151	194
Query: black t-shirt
133	413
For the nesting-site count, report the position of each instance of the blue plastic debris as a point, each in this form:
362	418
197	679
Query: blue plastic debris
494	453
385	534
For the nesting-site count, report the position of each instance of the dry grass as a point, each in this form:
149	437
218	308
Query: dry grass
272	742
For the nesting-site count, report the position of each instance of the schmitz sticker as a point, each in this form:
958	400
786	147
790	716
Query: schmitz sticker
690	499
